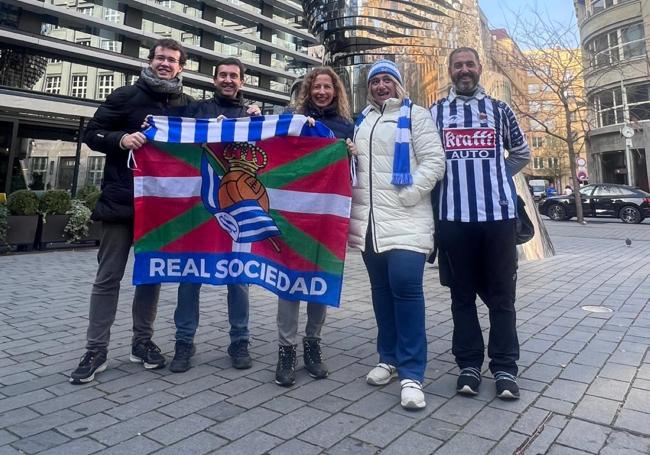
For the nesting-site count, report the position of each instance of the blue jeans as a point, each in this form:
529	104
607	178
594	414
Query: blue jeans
398	301
186	316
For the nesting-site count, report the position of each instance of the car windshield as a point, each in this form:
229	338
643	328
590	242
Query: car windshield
587	190
538	188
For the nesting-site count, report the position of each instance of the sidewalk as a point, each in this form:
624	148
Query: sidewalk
585	377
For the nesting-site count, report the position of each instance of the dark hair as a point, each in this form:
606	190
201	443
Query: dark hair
230	61
168	43
464	49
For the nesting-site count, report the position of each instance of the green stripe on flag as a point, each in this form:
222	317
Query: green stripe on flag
173	229
303	166
188	153
306	246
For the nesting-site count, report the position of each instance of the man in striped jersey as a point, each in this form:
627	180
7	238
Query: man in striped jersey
477	211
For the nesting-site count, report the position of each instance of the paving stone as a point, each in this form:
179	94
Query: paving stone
16	416
383	430
638	400
566	390
11	403
540	372
543	441
333	429
372	405
555	405
491	423
596	409
458	410
128	429
81	446
192	404
620	442
196	444
221	412
294	446
142	405
43	423
251	444
437	429
634	420
294	423
579	373
557	449
618	371
139	445
510	443
608	388
413	444
40	442
86	425
584	435
465	443
244	423
350	446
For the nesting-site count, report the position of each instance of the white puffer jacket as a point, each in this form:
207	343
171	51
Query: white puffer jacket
399	217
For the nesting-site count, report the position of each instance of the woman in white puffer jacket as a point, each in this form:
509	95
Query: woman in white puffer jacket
392	223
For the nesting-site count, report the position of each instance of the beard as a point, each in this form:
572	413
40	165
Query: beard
465	86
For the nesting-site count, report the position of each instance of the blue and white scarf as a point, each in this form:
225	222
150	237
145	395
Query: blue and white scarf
401	160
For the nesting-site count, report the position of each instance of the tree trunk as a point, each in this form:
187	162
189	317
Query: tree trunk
574	167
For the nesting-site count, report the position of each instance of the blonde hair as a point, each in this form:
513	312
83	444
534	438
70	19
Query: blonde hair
399	89
340	95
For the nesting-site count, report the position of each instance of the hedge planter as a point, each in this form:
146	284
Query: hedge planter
21	229
52	229
94	232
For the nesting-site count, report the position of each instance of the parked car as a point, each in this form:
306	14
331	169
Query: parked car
629	204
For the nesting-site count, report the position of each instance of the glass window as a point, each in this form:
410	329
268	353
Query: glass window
611	47
53	85
538	162
111	15
95	170
104	86
79	85
587	190
86	10
634	45
38	169
608	190
84	42
538	141
109	45
553	162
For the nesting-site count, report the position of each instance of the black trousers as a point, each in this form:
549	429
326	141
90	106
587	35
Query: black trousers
482	259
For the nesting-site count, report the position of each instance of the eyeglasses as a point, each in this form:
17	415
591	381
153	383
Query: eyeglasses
162	58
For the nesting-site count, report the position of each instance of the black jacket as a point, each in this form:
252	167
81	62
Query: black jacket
340	126
218	105
122	113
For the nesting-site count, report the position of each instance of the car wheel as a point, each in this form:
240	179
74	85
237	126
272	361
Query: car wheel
556	212
630	215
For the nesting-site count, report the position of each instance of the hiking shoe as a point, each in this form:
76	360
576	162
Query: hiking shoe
468	381
507	388
382	374
183	352
285	372
148	354
312	358
412	395
91	362
238	352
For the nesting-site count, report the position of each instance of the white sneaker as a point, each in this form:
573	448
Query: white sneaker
382	374
412	395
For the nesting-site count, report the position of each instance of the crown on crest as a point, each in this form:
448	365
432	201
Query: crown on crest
244	156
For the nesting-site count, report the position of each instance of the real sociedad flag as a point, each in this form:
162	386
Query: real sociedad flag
245	221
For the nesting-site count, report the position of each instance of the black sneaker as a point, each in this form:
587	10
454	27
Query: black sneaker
238	352
148	354
312	358
91	363
469	381
285	372
183	352
507	388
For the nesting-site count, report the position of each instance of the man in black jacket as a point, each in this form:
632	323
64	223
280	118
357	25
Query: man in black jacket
115	130
227	103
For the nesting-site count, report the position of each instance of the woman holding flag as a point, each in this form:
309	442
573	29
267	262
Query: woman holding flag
322	97
400	158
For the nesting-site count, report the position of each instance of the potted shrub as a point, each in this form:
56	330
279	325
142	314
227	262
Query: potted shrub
22	221
90	196
54	206
4	214
78	222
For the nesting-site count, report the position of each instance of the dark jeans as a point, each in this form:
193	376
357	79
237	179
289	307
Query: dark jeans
186	316
398	301
112	257
483	261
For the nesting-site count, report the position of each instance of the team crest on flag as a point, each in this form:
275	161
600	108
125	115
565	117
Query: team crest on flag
261	200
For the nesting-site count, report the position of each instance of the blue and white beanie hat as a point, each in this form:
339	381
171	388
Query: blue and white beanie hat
384	66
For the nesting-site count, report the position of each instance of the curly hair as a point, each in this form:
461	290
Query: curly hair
340	96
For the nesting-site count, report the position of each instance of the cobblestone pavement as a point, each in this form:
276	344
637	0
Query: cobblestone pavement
585	377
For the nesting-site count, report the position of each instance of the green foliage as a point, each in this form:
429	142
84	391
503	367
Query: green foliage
55	202
87	190
4	213
91	199
22	202
79	222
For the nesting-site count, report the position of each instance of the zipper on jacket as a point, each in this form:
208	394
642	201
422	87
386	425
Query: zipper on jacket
371	216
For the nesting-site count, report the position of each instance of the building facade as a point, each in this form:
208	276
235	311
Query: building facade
60	58
614	36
